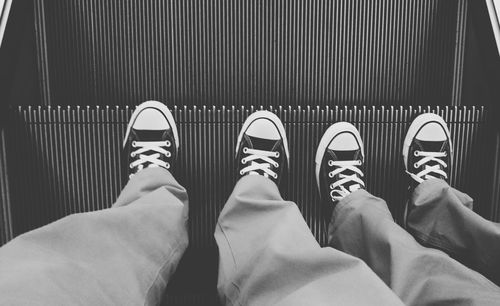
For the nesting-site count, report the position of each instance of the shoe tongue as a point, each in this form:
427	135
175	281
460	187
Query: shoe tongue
346	155
149	135
430	146
262	144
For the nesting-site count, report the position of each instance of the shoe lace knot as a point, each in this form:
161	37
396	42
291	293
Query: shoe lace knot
429	171
260	161
348	175
148	154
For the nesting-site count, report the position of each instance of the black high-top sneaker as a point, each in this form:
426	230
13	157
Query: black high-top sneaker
151	139
339	164
262	147
427	151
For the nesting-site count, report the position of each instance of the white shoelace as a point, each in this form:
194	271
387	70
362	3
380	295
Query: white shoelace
429	170
153	159
337	189
253	156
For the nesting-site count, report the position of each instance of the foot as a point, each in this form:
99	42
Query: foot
427	149
262	147
151	139
426	152
339	163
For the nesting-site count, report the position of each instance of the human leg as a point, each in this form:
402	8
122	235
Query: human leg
268	255
438	215
361	225
441	217
124	255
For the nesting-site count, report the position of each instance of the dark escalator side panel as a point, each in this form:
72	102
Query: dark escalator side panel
19	84
244	52
6	232
495	194
481	83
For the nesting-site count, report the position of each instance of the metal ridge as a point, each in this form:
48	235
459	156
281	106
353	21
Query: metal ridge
315	114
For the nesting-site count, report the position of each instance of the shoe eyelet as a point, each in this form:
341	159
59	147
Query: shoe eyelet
276	165
330	174
130	166
277	154
167	166
168	154
241	172
360	163
245	150
168	143
134	144
132	154
243	161
330	163
416	153
445	153
275	176
415	165
331	186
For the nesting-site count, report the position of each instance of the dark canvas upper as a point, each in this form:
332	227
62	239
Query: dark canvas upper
265	145
325	180
150	135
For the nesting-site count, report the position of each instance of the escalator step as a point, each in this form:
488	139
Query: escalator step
63	160
285	52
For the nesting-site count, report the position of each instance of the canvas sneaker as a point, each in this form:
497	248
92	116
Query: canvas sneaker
262	147
427	151
151	139
339	163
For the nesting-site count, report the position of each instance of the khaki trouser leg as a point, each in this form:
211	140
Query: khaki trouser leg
362	226
269	256
124	255
441	217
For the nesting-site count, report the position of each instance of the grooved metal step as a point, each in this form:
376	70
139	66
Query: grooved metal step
63	160
282	52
